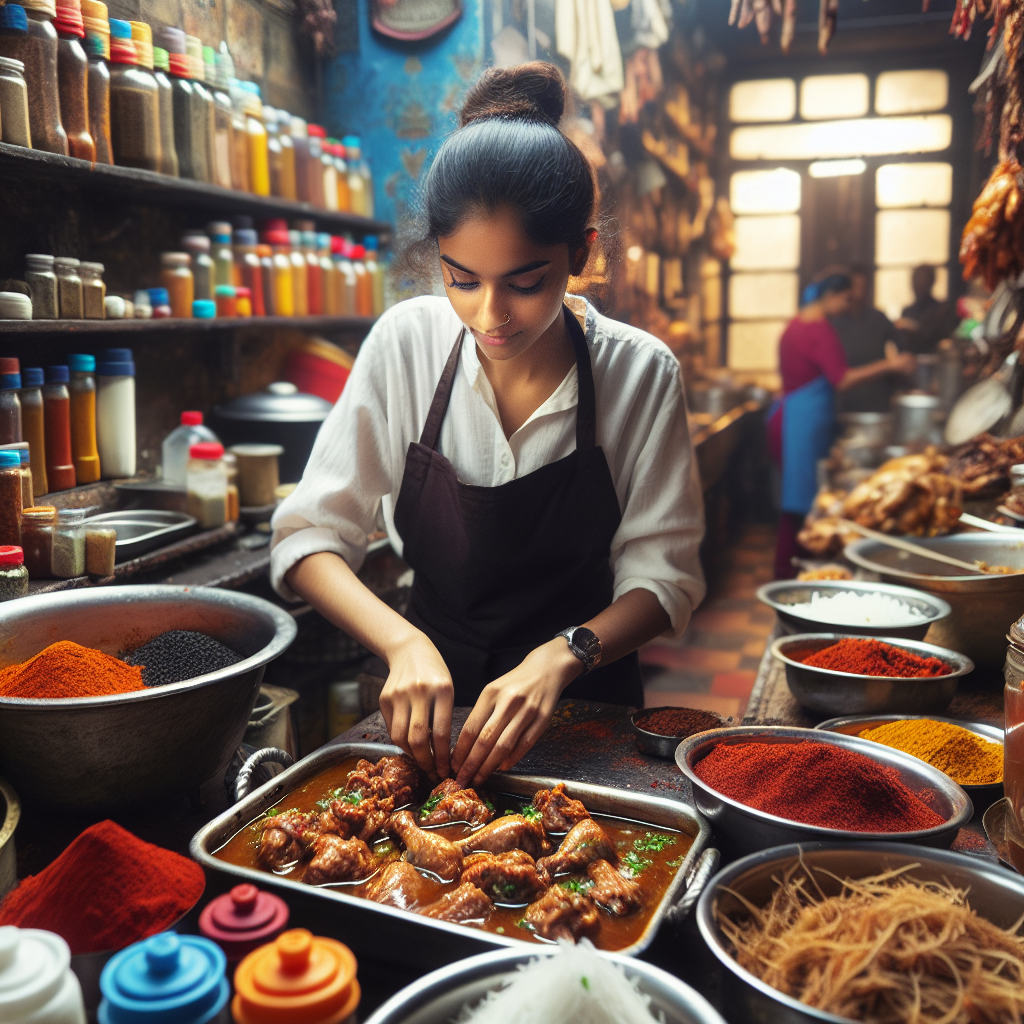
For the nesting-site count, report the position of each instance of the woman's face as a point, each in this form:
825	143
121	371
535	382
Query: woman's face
504	287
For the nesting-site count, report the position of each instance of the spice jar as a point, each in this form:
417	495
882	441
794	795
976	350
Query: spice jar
202	112
222	119
72	80
259	158
37	525
14	103
222	254
243	301
60	469
27	497
97	49
224	296
315	167
82	389
10	403
13	574
94	291
176	277
100	550
68	558
300	278
33	428
69	288
168	150
10	496
207	484
233	510
239	138
37	50
134	103
197	245
42	285
115	412
182	102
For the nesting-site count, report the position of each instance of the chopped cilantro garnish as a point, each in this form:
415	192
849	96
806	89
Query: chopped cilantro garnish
324	803
635	863
430	805
525	925
656	841
489	805
272	813
530	813
585	982
384	849
580	885
678	862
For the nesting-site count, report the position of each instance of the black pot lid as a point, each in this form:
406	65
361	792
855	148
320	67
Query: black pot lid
279	403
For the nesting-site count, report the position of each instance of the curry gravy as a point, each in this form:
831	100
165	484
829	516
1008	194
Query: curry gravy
657	866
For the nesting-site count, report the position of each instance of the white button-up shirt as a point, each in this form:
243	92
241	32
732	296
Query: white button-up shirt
358	460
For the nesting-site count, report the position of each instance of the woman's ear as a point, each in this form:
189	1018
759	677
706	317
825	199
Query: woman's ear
581	257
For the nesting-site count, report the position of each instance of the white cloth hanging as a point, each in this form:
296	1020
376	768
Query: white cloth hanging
586	36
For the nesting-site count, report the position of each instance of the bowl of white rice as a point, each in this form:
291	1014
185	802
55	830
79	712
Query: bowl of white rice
853	607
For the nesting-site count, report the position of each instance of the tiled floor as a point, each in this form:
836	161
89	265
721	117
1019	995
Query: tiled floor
714	664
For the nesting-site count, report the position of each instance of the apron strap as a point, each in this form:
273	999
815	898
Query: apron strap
586	408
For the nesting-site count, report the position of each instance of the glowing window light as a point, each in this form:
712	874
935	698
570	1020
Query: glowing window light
767	99
836	168
923	184
893	291
823	97
874	136
754	344
911	92
767	243
756	296
909	237
775	191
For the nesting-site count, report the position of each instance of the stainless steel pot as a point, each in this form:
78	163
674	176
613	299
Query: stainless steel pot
916	419
92	753
866	428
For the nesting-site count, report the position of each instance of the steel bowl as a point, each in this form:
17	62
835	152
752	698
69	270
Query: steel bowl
95	753
654	743
782	594
8	823
983	605
741	829
829	692
439	997
996	895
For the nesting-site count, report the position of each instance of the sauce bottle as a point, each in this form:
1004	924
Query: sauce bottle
168	148
115	412
243	919
73	80
356	179
222	117
274	162
33	427
340	249
222	253
259	159
300	278
284	138
282	290
314	274
344	196
300	144
364	283
315	167
240	137
60	466
97	50
134	103
197	245
82	389
375	269
37	985
176	277
266	257
10	403
249	271
330	175
331	276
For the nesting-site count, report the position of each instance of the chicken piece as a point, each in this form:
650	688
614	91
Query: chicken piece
398	777
401	885
618	895
558	810
287	838
448	803
364	819
584	843
426	850
509	832
461	905
506	877
339	860
562	914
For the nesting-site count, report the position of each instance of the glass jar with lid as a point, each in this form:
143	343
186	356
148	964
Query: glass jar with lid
134	103
68	558
168	149
94	291
97	50
37	525
69	288
14	103
176	277
42	286
13	574
73	79
207	484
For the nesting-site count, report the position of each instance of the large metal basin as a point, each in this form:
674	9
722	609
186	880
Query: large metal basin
96	753
983	605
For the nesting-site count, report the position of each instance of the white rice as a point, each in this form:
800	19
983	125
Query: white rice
851	608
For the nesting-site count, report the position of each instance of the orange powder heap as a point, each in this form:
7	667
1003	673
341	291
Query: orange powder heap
67	669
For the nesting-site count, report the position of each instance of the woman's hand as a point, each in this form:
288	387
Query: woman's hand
513	711
416	703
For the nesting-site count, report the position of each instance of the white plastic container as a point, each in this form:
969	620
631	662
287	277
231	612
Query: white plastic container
36	983
207	485
177	444
115	412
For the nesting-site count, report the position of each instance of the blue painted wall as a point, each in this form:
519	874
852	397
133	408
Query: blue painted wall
401	100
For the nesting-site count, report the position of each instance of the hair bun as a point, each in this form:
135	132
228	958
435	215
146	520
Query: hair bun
527	92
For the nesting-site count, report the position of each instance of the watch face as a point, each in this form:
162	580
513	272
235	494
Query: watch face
587	641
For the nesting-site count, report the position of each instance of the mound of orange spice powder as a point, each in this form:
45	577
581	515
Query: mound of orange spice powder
874	658
67	669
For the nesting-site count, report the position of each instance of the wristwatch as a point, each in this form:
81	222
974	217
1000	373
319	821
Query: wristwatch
584	644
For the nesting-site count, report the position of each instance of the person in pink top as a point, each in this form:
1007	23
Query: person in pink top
801	424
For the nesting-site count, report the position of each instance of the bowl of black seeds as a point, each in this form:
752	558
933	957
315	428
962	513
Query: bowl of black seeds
180	654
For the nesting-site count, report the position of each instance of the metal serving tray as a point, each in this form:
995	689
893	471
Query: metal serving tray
372	929
143	530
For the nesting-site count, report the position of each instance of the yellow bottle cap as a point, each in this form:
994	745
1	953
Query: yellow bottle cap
297	979
142	35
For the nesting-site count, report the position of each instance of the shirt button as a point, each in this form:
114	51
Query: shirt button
505	460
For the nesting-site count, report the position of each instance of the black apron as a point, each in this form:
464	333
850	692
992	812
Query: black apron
502	570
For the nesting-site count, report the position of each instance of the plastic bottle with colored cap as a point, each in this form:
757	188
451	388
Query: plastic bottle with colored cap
60	466
97	50
37	985
13	584
134	103
10	404
298	979
168	149
82	388
73	79
206	484
177	443
165	979
33	428
243	920
115	412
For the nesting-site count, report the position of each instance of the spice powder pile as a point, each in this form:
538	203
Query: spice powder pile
66	669
874	658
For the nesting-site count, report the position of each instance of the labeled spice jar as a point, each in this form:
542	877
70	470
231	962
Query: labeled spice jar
100	550
168	149
60	469
37	525
68	558
134	103
197	245
176	277
13	574
115	412
82	390
33	429
97	50
69	288
73	80
14	128
37	50
10	403
207	484
10	497
42	285
94	291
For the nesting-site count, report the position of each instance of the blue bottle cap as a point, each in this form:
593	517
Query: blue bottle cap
13	18
246	236
32	376
250	87
120	29
82	364
10	459
174	979
10	381
370	242
159	296
351	141
227	290
204	309
26	456
57	375
115	362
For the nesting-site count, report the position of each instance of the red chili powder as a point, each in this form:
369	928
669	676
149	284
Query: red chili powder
874	658
681	722
818	784
107	890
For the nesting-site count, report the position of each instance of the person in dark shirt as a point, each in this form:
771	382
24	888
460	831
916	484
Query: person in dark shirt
926	321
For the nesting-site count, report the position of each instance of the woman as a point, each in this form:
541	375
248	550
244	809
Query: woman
537	475
800	426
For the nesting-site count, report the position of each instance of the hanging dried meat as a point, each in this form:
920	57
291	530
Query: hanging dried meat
993	243
981	467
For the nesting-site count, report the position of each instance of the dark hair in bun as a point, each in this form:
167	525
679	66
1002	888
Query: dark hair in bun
509	152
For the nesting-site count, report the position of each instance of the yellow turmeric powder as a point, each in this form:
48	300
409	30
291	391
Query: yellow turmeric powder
964	756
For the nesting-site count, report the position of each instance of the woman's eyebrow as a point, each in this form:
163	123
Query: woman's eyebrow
525	269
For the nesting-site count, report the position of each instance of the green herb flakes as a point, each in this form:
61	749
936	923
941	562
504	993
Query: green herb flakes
656	841
635	863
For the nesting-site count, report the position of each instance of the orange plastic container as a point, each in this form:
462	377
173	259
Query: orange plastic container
297	979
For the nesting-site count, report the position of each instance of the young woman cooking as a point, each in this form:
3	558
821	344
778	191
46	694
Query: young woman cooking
535	472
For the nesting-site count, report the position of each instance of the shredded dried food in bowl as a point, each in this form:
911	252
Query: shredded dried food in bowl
875	658
887	949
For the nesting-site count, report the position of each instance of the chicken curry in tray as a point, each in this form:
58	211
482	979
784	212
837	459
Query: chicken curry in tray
539	872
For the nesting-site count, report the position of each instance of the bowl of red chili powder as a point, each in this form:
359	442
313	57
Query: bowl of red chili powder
838	674
659	730
762	786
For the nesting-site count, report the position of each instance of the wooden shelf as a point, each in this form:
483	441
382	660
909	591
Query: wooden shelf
142	329
129	184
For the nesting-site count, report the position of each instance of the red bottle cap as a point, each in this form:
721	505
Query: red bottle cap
210	450
122	51
243	919
179	65
191	419
241	292
69	18
358	252
337	244
315	129
8	366
11	554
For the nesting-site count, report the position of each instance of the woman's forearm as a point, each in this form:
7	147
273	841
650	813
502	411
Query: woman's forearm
628	623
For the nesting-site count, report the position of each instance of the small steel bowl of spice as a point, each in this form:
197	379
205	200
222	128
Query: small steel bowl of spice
762	786
836	674
659	730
